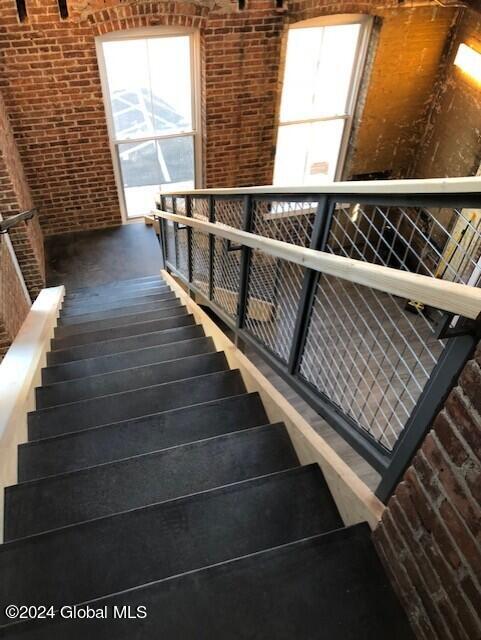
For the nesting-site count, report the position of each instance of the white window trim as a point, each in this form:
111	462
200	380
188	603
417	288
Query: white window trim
366	23
196	132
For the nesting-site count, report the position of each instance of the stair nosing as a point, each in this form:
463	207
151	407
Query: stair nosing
113	309
67	434
141	366
117	282
149	386
5	546
122	338
109	355
171	296
70	305
133	324
85	470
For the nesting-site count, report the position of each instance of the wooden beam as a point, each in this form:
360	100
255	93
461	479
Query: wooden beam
355	501
449	296
368	187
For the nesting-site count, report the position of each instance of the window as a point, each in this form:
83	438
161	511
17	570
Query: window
324	61
150	88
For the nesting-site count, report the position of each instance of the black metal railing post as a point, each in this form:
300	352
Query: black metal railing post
163	234
188	213
318	241
211	248
244	264
176	231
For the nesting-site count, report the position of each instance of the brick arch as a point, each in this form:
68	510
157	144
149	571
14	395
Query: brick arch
305	9
144	14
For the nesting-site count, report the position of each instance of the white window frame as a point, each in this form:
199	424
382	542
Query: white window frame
366	23
195	133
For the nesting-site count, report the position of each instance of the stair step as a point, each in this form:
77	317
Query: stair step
116	292
114	296
133	404
76	308
129	379
104	364
86	561
120	345
119	283
58	501
73	451
135	329
177	309
329	587
115	312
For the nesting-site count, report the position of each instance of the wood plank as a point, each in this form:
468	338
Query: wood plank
20	373
441	294
355	501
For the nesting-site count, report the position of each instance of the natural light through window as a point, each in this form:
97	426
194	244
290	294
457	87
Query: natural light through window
320	82
152	115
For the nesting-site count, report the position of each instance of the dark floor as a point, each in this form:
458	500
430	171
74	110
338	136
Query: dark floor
88	258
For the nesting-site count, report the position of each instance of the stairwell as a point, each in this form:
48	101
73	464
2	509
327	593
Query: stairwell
152	478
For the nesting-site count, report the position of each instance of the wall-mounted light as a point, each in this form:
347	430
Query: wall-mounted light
469	61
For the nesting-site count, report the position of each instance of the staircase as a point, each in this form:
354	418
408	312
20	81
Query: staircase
153	479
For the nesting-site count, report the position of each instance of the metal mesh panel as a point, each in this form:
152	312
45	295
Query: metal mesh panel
226	277
180	206
287	221
168	203
200	261
230	212
182	252
273	297
368	355
200	208
170	242
443	243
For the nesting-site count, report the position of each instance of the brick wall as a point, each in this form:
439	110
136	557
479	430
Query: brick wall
15	197
51	86
13	303
430	534
452	142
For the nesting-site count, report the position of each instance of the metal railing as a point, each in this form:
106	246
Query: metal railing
356	295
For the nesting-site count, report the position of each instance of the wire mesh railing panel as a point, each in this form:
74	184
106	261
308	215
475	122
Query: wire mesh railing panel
200	261
282	220
200	209
182	252
180	206
230	212
168	203
170	242
368	355
273	295
226	277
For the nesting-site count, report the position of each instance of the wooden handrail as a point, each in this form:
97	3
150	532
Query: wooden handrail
440	186
449	296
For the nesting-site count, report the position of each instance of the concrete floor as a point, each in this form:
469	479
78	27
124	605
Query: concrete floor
88	258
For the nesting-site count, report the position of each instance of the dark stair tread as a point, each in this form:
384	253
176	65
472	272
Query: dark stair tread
115	291
129	379
94	492
106	298
79	369
135	329
119	345
73	309
68	452
119	283
133	404
115	312
86	561
329	587
176	309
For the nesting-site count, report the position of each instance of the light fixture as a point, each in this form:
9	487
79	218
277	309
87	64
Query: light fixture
469	61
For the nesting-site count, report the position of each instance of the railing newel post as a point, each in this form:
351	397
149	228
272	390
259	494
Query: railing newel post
320	232
211	247
245	264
